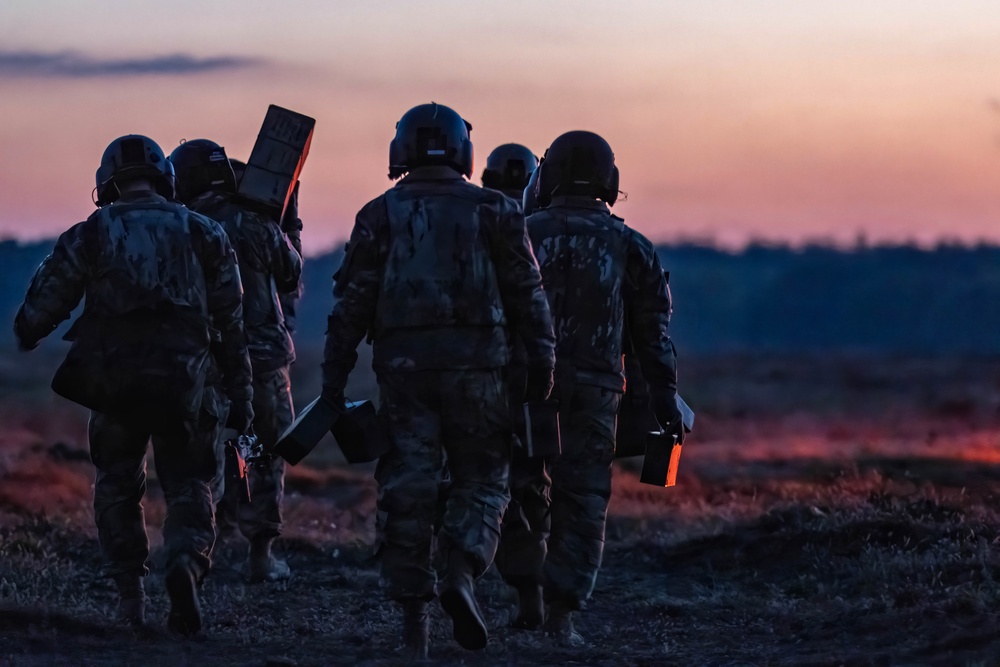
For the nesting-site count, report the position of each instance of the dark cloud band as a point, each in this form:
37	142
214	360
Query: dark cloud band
72	65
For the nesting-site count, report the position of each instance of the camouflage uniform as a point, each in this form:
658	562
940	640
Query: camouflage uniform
269	266
599	275
437	270
133	260
527	523
291	224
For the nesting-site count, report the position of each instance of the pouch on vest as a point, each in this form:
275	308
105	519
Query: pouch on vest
149	364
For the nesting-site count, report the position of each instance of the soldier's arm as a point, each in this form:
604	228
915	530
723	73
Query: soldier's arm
647	302
285	262
225	304
291	225
355	291
55	289
521	286
289	308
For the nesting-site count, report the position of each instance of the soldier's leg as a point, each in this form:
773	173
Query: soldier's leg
409	477
260	520
521	554
230	545
477	437
186	464
581	488
118	450
227	506
525	529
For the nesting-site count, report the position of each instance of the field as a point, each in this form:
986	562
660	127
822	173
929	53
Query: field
829	511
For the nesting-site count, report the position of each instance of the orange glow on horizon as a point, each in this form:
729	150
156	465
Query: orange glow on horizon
782	122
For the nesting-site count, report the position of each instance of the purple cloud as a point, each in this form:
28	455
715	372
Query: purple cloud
73	65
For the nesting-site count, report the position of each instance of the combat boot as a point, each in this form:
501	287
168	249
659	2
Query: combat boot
264	567
185	608
458	599
530	606
416	630
559	624
131	600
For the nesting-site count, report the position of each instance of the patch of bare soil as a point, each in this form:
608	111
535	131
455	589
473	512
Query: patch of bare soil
806	535
868	563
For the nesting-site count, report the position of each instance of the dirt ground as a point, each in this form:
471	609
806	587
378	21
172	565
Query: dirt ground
828	512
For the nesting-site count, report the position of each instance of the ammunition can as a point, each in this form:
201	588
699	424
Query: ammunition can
359	433
277	159
663	454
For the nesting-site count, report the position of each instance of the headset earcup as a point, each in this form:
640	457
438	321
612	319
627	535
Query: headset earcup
612	187
467	158
543	194
397	158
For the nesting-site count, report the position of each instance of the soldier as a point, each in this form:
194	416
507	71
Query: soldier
269	266
508	169
438	271
159	280
526	524
599	276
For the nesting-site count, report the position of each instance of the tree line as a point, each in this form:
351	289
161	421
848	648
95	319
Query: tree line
886	299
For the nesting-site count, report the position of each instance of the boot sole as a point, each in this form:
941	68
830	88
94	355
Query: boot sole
469	628
185	611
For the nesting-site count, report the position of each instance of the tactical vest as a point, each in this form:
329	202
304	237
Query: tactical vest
582	254
141	346
439	301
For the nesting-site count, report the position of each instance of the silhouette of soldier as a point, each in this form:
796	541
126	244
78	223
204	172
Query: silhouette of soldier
159	352
439	272
600	278
269	267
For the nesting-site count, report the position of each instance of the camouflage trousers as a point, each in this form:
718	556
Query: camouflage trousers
527	523
185	460
557	538
273	413
454	422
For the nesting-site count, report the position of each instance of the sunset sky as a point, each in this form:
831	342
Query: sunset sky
731	120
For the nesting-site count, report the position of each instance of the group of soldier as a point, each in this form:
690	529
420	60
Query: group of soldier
476	300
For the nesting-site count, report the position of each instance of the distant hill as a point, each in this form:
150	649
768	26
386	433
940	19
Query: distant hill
883	299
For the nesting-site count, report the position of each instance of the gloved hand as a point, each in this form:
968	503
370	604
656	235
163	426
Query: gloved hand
295	240
26	345
333	396
668	414
240	415
539	384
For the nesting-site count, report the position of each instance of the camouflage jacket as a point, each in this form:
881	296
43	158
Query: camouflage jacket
269	266
290	300
131	259
598	274
291	224
439	272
